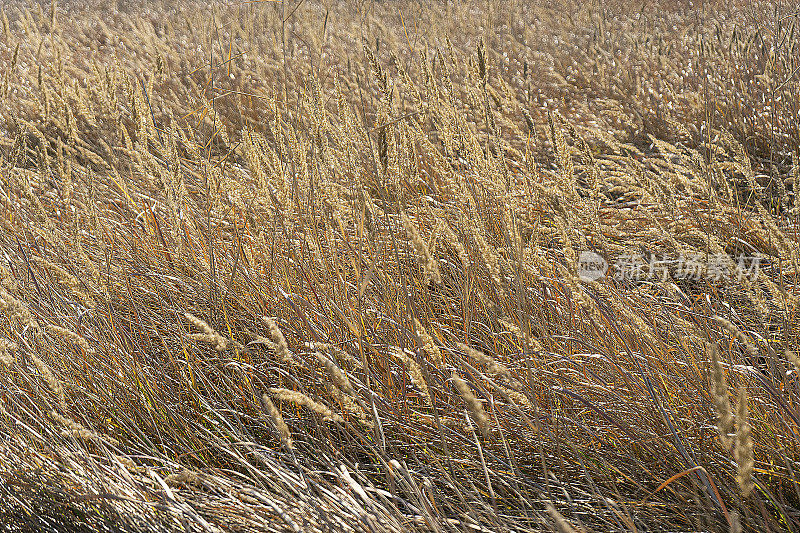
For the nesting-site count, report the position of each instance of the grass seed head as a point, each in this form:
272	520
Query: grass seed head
473	404
300	399
722	403
280	346
743	450
277	419
209	335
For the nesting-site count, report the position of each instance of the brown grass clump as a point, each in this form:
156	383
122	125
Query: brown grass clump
266	266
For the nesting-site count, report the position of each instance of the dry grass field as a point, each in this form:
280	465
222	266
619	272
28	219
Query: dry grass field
308	265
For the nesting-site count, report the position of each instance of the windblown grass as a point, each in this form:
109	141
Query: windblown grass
307	266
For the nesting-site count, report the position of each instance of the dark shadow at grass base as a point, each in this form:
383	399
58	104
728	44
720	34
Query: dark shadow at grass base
36	509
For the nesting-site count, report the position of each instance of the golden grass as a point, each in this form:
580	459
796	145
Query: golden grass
267	265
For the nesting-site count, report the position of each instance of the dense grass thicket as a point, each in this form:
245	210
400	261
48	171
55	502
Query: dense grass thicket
318	266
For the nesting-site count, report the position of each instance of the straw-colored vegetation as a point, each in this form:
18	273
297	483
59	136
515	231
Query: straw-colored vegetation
314	266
